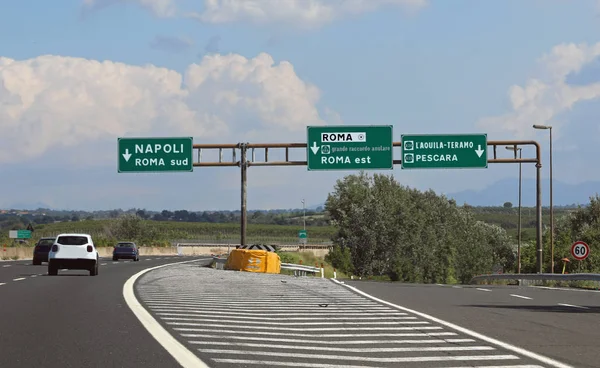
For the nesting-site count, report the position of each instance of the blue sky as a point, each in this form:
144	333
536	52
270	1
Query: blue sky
75	75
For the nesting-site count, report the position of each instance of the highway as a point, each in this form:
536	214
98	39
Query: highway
74	320
186	315
558	323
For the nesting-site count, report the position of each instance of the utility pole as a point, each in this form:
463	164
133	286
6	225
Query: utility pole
304	213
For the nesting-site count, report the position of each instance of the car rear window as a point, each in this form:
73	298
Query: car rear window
46	242
128	245
72	240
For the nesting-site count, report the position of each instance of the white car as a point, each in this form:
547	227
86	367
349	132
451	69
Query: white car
73	252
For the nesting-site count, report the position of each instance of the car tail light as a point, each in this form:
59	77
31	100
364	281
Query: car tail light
55	248
90	248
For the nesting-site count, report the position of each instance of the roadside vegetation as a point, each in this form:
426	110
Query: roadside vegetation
386	229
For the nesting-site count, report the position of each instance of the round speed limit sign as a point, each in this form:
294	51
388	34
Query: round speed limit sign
580	250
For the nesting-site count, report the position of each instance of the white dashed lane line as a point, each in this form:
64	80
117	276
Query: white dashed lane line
2	283
520	296
482	289
6	266
19	279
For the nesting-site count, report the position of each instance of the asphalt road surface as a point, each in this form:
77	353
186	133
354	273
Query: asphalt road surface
562	324
73	319
219	319
234	319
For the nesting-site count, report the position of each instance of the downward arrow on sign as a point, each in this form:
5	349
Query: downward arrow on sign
315	148
127	155
479	151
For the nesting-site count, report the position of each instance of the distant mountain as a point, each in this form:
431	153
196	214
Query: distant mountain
507	190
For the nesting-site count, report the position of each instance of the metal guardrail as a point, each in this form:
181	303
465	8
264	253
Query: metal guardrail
281	246
538	277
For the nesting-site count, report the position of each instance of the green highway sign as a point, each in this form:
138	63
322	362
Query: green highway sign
155	154
19	234
444	151
302	235
350	147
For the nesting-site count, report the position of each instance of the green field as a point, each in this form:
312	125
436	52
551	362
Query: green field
172	231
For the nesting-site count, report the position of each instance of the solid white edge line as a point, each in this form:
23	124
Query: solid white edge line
572	305
182	355
506	346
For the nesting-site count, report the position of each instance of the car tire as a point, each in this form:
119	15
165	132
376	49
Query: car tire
37	262
52	269
94	269
115	259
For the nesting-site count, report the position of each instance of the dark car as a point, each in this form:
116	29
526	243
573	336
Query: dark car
128	250
40	252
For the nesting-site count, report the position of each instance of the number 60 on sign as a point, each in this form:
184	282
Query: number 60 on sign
580	250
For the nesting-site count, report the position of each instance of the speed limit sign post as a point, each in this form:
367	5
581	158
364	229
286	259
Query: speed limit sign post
580	250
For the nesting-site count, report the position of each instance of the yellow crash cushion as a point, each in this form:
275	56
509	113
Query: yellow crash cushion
253	261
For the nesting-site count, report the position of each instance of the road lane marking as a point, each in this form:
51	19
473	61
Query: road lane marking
457	287
19	279
261	318
346	350
520	296
6	266
482	289
573	306
182	355
303	341
314	335
301	329
565	289
515	349
102	264
274	363
167	308
2	283
319	323
33	276
363	358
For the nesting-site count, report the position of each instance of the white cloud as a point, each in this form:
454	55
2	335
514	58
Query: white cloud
62	102
160	8
543	98
303	13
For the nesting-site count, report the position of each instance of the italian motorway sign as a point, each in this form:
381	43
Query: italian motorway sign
155	154
444	151
352	147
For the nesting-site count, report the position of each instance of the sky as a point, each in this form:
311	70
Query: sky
75	75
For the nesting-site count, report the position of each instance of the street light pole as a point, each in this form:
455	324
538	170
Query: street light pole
519	226
551	200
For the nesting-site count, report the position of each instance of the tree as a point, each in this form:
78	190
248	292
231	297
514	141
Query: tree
384	228
507	205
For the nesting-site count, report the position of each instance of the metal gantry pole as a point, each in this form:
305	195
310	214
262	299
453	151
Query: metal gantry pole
244	179
243	163
551	211
538	215
519	227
